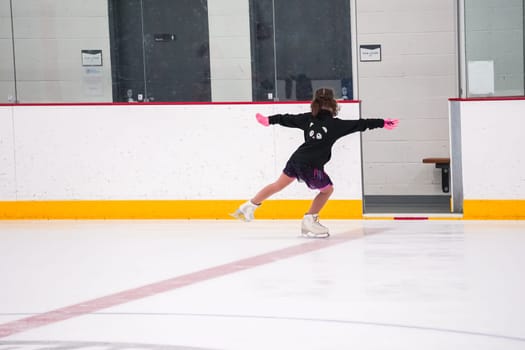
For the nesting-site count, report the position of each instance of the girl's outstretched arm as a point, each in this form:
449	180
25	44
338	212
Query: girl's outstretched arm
351	126
289	120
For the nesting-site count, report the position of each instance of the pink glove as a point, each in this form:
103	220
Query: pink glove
262	119
391	123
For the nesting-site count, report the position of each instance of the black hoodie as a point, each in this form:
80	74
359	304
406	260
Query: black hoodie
320	134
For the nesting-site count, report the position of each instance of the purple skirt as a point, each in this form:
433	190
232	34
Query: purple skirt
314	178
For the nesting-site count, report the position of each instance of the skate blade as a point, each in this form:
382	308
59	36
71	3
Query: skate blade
239	216
308	234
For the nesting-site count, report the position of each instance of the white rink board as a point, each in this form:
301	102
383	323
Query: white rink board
7	157
164	152
493	146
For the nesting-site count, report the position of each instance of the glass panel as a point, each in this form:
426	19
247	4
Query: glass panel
7	71
494	47
49	40
159	50
299	46
157	58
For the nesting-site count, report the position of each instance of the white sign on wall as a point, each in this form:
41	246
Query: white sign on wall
91	58
370	53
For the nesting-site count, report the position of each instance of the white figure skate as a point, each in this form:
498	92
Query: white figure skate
245	211
311	228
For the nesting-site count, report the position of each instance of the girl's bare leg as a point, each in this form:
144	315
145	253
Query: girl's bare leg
321	199
283	181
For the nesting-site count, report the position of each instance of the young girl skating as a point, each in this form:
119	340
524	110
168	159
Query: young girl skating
321	130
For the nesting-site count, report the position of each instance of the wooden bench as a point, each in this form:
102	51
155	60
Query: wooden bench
444	165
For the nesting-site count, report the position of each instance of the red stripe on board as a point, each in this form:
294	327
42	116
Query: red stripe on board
410	218
499	98
66	104
149	290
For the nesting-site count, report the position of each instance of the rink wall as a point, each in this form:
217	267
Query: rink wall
159	161
491	161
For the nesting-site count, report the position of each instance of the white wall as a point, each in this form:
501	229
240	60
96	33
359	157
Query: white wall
492	144
413	82
155	151
230	56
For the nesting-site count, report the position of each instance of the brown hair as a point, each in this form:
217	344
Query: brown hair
324	99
